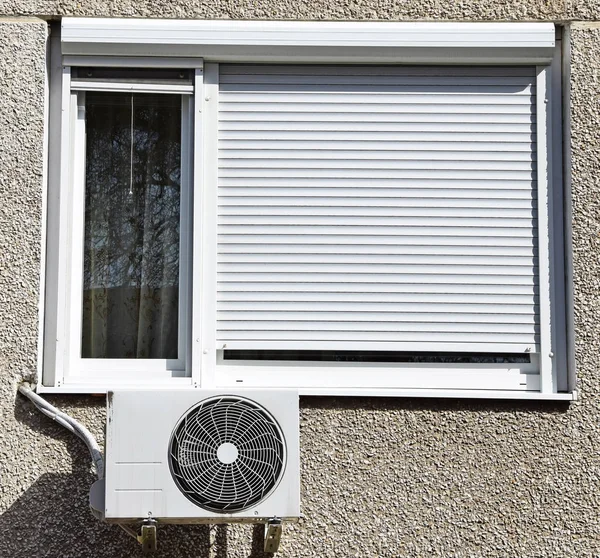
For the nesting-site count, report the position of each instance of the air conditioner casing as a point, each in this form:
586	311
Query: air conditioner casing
138	480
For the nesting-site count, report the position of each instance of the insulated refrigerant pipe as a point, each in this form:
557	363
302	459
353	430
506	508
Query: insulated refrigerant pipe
69	423
76	428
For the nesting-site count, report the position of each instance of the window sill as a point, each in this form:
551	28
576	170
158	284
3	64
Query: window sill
341	392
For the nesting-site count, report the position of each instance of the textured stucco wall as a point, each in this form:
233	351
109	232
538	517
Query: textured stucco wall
385	477
509	10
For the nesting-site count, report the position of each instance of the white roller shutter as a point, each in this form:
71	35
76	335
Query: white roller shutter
377	208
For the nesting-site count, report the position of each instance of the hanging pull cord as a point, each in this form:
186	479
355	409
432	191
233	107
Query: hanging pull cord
131	153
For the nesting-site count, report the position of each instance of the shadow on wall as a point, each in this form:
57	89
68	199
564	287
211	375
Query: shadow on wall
52	518
435	405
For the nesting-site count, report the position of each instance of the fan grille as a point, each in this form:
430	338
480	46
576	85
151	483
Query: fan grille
227	454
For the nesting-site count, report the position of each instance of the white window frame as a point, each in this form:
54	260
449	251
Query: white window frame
201	46
70	370
81	370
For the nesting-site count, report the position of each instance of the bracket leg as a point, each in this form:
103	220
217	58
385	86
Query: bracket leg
273	530
147	537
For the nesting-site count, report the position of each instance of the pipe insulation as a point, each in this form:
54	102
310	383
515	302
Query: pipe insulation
70	424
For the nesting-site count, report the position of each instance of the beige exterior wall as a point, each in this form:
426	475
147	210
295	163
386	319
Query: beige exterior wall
380	477
475	10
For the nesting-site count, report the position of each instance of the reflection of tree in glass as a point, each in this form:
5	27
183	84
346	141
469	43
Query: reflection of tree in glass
131	249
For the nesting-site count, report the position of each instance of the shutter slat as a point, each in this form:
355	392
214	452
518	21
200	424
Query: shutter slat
360	186
372	259
393	231
295	322
415	290
405	302
367	208
374	312
360	194
342	239
396	155
340	164
228	118
435	278
350	338
246	205
387	127
426	107
375	147
384	135
377	222
381	210
379	127
412	253
242	82
375	95
375	269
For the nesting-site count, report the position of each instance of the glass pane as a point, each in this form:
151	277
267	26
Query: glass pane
132	208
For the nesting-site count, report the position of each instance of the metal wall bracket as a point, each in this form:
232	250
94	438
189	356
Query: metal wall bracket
147	536
273	530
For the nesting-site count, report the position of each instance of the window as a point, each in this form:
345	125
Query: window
132	219
362	218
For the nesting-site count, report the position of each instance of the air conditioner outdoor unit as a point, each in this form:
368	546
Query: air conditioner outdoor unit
201	456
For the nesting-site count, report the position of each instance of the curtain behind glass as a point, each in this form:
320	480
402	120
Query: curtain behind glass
132	209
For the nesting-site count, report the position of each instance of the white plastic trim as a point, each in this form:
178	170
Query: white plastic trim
131	87
432	376
361	392
98	386
132	62
48	84
311	41
197	122
544	179
207	163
